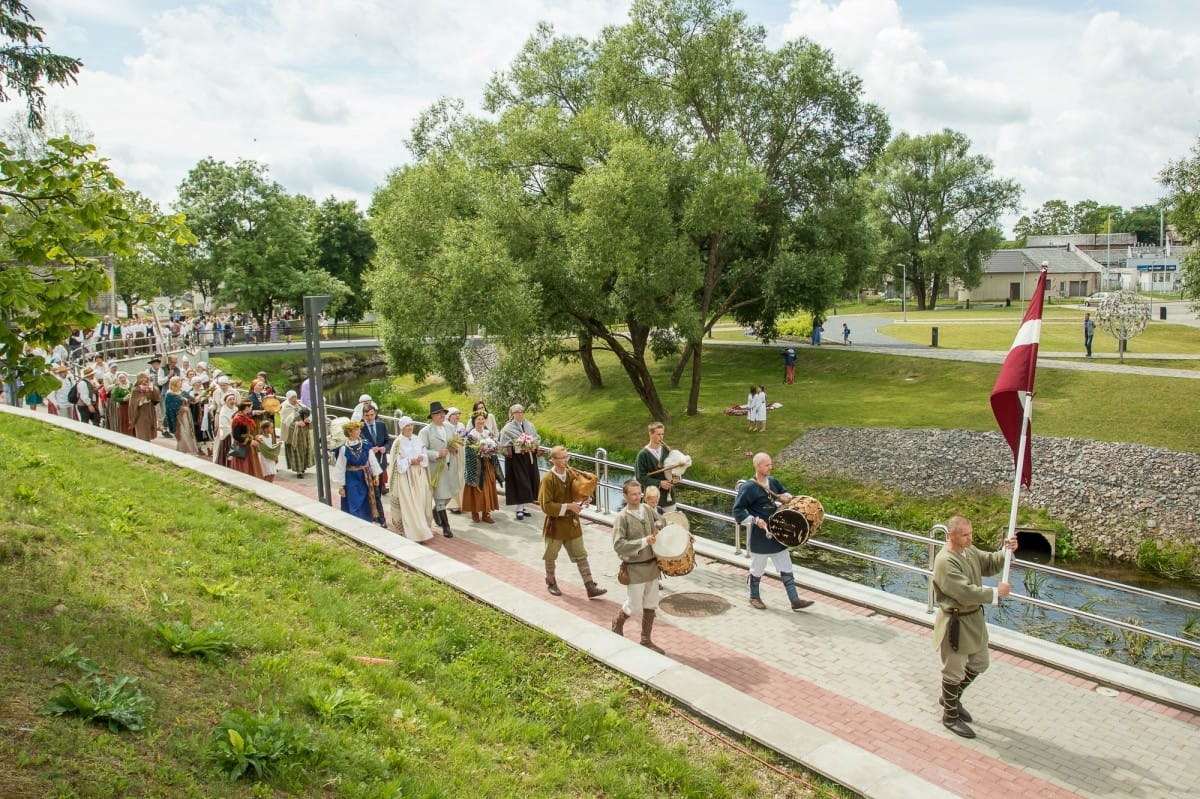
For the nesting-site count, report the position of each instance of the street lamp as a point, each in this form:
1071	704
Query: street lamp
904	289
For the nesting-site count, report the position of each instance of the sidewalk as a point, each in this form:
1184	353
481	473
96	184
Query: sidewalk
841	688
844	689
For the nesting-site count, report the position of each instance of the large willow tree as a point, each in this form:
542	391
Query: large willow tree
625	194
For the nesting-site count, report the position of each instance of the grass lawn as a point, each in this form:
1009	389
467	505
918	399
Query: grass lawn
1059	334
385	683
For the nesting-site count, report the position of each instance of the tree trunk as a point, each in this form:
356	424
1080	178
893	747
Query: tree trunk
919	286
677	375
587	357
633	361
694	393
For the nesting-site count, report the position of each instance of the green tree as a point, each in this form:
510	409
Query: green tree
940	207
60	207
634	190
1144	220
59	212
26	63
344	248
1182	181
151	270
255	247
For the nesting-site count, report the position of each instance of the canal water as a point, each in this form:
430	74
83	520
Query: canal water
1041	623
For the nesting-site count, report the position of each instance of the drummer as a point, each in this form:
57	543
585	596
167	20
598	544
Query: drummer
648	468
634	532
755	503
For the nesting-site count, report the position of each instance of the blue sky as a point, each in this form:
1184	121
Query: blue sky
1074	100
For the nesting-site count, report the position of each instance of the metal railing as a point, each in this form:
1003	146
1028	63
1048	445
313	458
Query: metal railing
604	467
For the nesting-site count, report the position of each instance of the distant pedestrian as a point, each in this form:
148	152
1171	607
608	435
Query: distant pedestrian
846	334
789	365
816	333
1089	332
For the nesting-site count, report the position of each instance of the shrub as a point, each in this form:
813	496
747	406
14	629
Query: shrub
1175	561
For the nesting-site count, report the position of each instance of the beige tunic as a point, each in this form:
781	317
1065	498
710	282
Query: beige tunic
958	584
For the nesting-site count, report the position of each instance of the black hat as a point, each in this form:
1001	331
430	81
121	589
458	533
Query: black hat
435	407
156	359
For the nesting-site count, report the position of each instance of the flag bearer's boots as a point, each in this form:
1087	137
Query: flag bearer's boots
951	719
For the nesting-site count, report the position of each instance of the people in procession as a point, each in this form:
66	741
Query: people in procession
648	467
410	498
444	449
354	474
561	528
479	495
519	441
634	532
754	505
960	628
375	433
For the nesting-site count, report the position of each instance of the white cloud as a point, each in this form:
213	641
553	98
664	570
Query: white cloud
1073	105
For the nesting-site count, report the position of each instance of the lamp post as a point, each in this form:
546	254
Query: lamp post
904	289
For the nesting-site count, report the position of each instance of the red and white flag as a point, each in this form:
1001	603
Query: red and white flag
1016	380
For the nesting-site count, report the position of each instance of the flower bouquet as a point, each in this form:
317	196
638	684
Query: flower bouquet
120	393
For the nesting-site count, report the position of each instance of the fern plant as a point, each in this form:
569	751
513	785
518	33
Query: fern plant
119	703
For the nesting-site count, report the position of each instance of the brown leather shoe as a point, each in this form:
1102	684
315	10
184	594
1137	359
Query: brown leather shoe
799	604
958	727
755	602
594	590
474	516
554	589
487	518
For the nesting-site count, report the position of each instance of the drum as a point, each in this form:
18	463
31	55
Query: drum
675	464
673	548
796	521
677	518
271	405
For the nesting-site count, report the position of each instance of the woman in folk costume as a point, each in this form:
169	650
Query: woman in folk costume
142	417
268	449
444	448
410	496
243	441
354	474
287	413
172	402
519	441
225	427
185	423
298	447
118	404
479	490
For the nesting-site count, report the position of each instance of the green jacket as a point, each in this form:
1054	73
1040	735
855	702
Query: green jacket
958	584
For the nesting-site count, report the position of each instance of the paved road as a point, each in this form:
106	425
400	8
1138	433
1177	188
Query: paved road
846	687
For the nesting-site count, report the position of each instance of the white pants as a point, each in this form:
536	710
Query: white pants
781	559
641	596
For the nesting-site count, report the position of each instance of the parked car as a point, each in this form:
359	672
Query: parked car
1095	299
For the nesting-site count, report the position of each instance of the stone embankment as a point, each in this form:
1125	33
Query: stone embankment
1111	496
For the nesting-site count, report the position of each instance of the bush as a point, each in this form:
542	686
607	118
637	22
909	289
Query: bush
796	327
1175	561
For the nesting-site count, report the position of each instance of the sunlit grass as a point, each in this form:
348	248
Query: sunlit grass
450	697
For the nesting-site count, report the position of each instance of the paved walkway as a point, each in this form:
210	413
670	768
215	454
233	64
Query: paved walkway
844	688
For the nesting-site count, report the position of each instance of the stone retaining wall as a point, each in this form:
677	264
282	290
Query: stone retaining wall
1111	496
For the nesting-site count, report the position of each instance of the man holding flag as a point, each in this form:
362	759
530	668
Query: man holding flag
960	631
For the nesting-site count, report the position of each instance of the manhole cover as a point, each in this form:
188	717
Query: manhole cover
694	605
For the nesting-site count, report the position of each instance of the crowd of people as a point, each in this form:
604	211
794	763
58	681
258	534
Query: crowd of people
452	467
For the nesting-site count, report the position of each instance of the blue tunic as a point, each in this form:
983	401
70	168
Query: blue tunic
753	501
359	494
